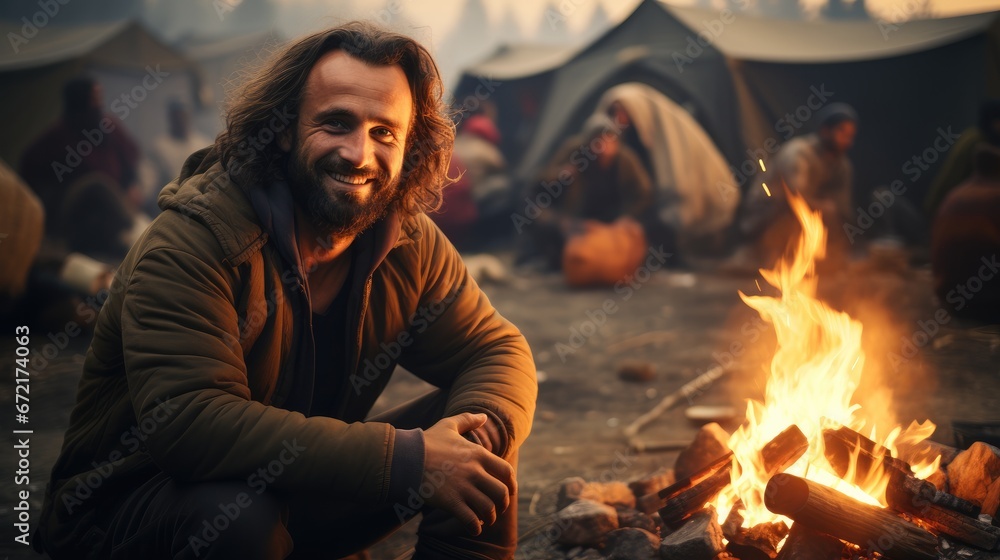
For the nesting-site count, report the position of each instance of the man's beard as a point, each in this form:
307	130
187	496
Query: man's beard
336	212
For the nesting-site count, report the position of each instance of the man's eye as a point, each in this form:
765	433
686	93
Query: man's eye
383	133
337	125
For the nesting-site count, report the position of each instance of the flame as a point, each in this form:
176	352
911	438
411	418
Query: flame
816	368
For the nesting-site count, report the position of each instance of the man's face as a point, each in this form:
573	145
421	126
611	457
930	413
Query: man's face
346	154
840	137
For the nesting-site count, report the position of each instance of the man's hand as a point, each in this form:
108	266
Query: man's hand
471	483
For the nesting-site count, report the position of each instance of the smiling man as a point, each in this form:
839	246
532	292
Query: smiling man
224	410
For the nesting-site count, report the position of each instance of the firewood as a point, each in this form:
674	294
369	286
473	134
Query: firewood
804	543
912	496
905	490
826	510
688	496
843	444
759	542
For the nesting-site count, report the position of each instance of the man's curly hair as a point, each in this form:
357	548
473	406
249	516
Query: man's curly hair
248	146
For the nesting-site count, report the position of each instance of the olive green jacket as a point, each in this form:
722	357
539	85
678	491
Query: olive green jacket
202	357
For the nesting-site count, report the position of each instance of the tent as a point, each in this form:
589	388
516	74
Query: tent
914	84
117	54
742	77
515	78
640	49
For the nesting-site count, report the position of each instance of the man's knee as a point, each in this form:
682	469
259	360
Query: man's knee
232	521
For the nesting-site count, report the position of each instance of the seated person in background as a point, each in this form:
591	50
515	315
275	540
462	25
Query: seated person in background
594	177
695	197
48	168
477	148
958	165
965	242
814	165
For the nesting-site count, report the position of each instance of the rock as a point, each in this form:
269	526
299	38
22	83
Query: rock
991	504
709	444
650	503
636	519
652	482
585	523
632	544
698	539
973	471
570	490
614	494
636	372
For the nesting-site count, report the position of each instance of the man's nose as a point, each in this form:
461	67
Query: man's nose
358	149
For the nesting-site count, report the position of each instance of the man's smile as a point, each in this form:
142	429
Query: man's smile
351	180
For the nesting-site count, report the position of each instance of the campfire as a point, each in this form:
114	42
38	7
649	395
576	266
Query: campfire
810	473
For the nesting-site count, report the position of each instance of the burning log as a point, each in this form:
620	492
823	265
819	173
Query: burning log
688	496
759	542
910	494
844	444
826	510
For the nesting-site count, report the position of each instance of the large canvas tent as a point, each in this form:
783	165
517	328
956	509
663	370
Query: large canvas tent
117	54
640	49
741	76
915	85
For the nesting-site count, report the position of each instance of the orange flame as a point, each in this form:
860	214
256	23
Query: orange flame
814	373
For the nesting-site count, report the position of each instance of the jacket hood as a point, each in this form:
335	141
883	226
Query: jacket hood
243	218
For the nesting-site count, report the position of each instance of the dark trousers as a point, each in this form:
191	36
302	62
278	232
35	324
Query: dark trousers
168	519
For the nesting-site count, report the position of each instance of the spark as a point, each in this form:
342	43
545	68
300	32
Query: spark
855	362
767	190
758	285
761	162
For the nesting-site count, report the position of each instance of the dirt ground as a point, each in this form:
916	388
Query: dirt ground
681	322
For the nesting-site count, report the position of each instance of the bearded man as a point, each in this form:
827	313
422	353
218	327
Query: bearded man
224	406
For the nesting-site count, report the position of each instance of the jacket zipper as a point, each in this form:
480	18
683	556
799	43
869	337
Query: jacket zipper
354	358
